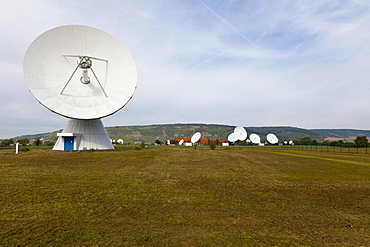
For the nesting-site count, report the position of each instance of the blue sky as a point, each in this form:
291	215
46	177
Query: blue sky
250	63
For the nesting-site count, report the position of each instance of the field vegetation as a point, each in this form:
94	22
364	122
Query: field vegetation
181	196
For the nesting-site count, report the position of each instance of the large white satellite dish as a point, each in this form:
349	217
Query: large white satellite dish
272	138
241	133
181	142
84	74
195	137
256	139
232	137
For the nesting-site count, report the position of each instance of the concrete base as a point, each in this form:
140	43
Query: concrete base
83	135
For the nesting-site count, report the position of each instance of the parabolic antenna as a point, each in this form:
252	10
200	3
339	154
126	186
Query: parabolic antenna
195	137
241	133
255	138
181	141
81	73
232	137
272	139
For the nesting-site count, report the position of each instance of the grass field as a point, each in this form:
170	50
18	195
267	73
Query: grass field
172	196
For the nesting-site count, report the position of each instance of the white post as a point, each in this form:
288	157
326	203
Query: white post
16	148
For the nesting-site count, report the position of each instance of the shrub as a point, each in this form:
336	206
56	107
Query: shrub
24	149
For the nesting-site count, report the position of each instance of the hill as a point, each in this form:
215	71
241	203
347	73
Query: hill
346	134
150	133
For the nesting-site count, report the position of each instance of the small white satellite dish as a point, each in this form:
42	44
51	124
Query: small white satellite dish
291	142
232	137
240	133
285	142
120	141
181	141
195	137
272	139
256	139
84	74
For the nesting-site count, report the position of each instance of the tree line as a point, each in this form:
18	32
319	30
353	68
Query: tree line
360	141
23	142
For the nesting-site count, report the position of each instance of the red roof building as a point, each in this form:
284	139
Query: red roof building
202	140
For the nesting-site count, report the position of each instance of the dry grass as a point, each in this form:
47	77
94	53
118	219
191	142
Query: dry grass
185	197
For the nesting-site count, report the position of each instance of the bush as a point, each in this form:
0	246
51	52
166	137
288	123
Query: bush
24	149
212	146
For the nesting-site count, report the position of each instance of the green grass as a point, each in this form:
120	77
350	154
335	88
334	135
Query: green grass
346	148
172	196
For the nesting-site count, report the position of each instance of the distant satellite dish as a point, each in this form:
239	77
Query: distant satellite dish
82	73
272	139
232	137
120	141
195	137
181	141
240	133
255	138
291	142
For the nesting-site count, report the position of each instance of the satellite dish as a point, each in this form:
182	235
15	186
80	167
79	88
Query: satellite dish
181	141
291	142
232	137
81	73
272	139
241	133
195	137
255	138
120	141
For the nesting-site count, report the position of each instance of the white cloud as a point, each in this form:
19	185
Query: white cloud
299	63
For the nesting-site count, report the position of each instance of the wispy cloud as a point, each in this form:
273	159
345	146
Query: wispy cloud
227	23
